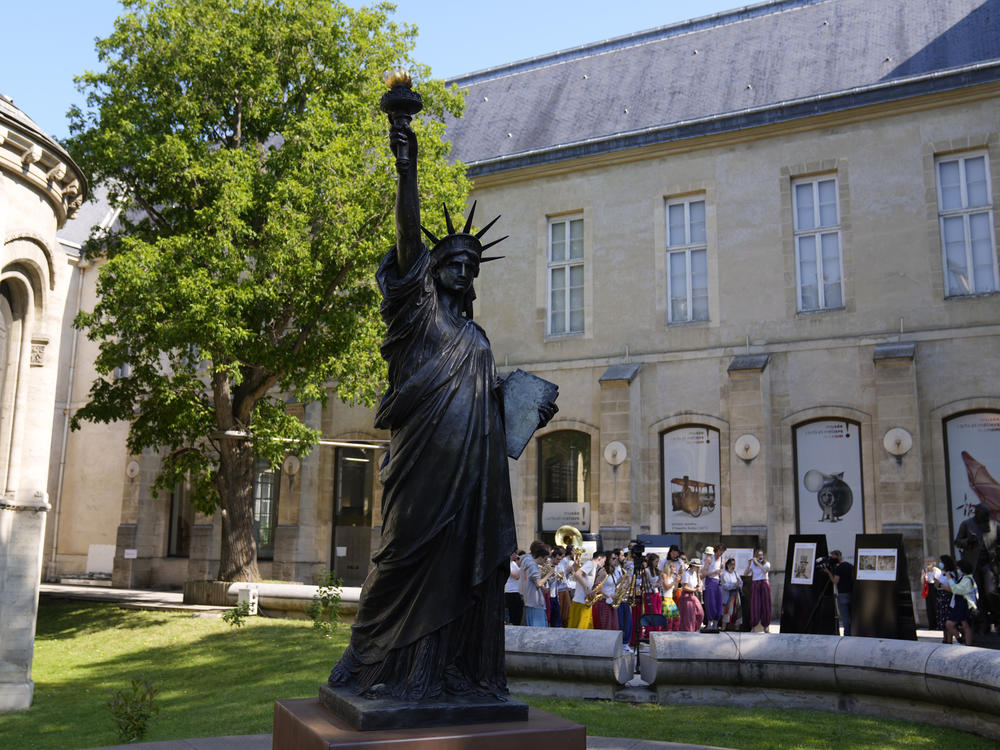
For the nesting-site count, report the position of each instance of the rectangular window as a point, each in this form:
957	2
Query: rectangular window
965	210
565	269
181	521
817	244
265	507
687	261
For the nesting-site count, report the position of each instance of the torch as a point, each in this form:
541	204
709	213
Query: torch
400	103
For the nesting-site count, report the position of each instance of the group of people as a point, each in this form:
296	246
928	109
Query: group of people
613	589
962	596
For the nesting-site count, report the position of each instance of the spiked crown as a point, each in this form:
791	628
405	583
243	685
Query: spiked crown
454	242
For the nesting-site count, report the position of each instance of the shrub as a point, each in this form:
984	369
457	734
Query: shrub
132	708
237	615
325	608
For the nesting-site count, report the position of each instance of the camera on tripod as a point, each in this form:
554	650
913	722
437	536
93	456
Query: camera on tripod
636	551
826	563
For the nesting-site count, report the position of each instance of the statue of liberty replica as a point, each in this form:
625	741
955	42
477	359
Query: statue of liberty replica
430	623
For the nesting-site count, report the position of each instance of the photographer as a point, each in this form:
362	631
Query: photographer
841	574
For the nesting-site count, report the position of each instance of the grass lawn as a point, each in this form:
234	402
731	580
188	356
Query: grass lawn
215	680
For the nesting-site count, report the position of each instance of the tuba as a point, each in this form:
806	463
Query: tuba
570	538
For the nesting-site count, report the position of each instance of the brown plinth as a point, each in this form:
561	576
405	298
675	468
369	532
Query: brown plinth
305	724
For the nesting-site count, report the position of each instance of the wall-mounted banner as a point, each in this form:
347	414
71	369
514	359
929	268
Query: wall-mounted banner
828	489
972	443
690	483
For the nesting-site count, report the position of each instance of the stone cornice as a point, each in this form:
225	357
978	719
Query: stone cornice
44	165
35	508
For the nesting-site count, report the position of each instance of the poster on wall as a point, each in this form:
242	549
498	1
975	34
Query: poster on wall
876	564
828	488
803	563
972	443
691	480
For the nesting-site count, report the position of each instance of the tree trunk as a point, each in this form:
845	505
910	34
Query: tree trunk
235	484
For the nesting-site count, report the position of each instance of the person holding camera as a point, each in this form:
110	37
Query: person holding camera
841	575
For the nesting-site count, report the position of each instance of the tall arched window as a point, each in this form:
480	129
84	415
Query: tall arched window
265	507
563	470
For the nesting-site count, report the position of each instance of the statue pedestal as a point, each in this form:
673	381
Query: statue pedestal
305	724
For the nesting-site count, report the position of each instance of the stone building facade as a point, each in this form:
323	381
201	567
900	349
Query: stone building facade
771	232
40	187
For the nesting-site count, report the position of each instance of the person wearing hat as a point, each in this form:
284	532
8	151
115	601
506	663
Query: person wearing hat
711	571
690	607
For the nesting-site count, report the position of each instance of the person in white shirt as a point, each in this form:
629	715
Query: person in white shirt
511	591
732	604
711	570
605	617
534	585
586	576
555	611
760	593
566	586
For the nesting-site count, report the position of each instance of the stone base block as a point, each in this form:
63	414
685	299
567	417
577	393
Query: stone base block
367	714
16	696
305	724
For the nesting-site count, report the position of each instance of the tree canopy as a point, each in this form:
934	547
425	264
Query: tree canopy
244	140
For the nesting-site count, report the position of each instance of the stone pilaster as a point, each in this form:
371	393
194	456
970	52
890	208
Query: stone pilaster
619	511
749	405
22	530
899	482
899	486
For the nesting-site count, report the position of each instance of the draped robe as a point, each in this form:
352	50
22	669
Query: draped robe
430	619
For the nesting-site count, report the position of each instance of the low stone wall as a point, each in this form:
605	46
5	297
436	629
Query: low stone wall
947	685
566	663
283	599
292	599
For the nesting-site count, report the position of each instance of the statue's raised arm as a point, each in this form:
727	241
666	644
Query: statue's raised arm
400	103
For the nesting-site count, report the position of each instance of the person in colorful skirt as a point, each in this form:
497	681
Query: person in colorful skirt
760	593
670	580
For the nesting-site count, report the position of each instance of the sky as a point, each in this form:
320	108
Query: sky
38	62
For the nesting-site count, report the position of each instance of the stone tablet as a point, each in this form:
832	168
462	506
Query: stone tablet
523	394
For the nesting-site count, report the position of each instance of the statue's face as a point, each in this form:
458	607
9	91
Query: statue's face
457	273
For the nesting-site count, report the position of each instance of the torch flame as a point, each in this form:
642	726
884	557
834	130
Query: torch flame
398	77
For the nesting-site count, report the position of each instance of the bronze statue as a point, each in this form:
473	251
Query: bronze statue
430	620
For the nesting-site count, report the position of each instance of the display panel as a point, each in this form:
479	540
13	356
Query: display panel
972	443
691	479
876	564
803	563
828	488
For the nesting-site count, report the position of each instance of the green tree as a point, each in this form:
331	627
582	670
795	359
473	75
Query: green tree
245	140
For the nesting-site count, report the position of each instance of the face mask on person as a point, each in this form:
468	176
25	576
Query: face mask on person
760	559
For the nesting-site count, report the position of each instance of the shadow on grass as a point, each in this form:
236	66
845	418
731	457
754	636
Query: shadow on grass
62	619
213	680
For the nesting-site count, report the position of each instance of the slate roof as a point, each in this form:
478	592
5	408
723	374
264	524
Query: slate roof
763	63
